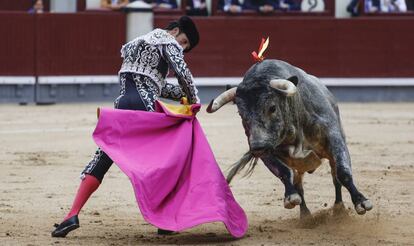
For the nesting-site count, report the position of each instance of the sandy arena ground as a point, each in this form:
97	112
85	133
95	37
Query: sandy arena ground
44	148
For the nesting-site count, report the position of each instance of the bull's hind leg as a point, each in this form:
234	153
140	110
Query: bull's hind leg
285	174
304	211
340	155
339	207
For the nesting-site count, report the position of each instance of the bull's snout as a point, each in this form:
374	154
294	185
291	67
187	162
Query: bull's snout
257	148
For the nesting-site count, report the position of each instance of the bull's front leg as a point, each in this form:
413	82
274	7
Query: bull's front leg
340	155
286	175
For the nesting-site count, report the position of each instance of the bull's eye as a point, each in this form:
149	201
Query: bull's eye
272	109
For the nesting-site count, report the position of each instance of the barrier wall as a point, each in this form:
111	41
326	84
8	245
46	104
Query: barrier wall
75	57
61	44
88	44
79	44
17	51
17	57
83	44
36	49
326	47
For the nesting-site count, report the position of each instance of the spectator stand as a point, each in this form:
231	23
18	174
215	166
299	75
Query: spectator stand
179	11
364	12
91	6
21	5
25	5
328	12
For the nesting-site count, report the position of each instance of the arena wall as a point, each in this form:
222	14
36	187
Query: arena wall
325	47
51	53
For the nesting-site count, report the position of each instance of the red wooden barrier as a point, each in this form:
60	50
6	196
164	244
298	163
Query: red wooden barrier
86	43
327	47
17	53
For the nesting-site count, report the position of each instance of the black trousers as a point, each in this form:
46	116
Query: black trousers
137	92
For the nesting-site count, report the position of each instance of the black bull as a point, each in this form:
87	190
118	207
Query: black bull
292	122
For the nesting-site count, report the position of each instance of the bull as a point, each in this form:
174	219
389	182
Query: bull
292	124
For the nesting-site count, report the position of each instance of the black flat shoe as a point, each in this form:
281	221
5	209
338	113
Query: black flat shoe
66	226
165	232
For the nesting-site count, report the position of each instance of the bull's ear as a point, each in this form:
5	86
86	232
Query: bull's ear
294	80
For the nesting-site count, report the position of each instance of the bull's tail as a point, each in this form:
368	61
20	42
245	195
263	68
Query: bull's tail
247	159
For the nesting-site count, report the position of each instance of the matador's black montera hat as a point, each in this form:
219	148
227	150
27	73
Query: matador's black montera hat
188	27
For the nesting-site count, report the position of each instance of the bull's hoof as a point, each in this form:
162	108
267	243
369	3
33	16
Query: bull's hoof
363	207
292	200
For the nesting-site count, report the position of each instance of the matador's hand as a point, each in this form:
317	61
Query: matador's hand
184	101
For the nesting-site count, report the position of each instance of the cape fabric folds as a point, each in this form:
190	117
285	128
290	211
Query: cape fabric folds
165	154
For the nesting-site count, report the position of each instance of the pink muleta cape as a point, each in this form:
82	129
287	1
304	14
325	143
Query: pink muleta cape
165	154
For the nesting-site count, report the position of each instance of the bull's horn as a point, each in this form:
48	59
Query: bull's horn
284	86
224	98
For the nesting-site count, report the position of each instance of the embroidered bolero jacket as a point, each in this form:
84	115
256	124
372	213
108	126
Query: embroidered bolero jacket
152	55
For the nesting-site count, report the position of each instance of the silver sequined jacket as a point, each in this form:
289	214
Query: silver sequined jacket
152	55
